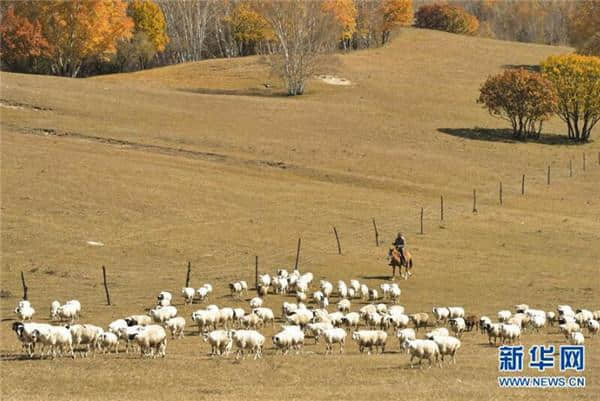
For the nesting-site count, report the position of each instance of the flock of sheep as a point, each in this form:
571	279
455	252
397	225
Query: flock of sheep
224	328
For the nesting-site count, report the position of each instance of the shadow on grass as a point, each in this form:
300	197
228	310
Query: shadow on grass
386	277
237	92
17	357
528	67
505	135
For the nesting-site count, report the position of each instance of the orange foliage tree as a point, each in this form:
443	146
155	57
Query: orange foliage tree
523	98
447	18
248	27
80	29
394	13
20	41
345	13
584	27
149	19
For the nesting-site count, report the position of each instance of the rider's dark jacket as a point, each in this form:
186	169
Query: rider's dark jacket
399	242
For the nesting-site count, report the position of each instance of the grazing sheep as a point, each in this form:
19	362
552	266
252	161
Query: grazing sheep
394	293
236	289
24	332
301	318
456	312
125	335
521	308
289	337
458	325
576	338
57	337
593	327
251	321
520	319
342	290
152	340
422	349
419	320
262	291
54	310
405	334
352	294
138	320
373	294
326	288
567	328
188	294
244	286
374	320
24	310
266	314
67	312
205	319
538	322
447	345
108	341
397	321
565	310
396	310
439	332
336	318
162	314
493	331
164	298
365	310
324	303
355	285
203	292
77	305
596	315
582	316
315	329
238	314
264	280
300	296
85	334
116	326
220	342
351	320
369	339
509	333
176	325
364	291
441	314
334	336
249	340
551	318
504	315
256	302
225	316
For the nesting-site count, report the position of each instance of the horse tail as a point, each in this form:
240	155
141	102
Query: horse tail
410	263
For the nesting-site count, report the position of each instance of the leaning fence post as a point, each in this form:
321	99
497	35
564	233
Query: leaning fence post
523	185
421	221
548	175
25	288
187	277
256	272
376	233
583	161
442	207
297	254
500	192
571	167
105	285
474	201
337	238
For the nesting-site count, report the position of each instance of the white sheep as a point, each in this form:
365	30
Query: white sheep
203	292
551	317
162	314
164	298
108	341
24	310
593	327
256	302
67	312
510	333
405	334
493	331
77	305
373	294
205	319
370	338
138	320
439	332
504	315
152	340
538	322
54	310
326	288
351	320
422	349
342	289
125	334
456	312
226	316
236	289
364	291
334	336
301	296
576	338
220	342
176	325
568	328
355	285
300	318
56	338
582	316
458	325
441	313
419	320
238	314
483	321
395	320
266	314
24	332
85	334
289	337
315	329
249	340
394	293
447	345
188	294
251	321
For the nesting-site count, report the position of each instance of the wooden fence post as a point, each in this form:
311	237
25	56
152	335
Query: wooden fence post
571	168
25	288
500	192
474	201
548	175
523	185
297	254
421	221
583	161
337	238
256	272
105	285
187	277
598	158
376	233
442	207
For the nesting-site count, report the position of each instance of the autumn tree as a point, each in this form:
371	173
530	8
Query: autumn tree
576	80
394	13
304	34
447	18
523	98
20	41
149	19
187	27
248	28
345	13
584	27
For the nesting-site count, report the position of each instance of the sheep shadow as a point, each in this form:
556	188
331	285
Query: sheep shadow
18	357
258	92
386	277
505	135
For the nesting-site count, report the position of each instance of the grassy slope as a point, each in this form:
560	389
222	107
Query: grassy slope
369	150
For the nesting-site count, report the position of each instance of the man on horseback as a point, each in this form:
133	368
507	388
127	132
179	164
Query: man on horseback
399	243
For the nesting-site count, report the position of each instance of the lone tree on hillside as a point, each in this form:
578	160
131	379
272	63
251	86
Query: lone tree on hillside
523	98
304	33
576	80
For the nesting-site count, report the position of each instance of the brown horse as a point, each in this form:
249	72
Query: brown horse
395	259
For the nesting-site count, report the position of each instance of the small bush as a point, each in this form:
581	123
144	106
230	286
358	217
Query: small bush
522	97
444	17
5	294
